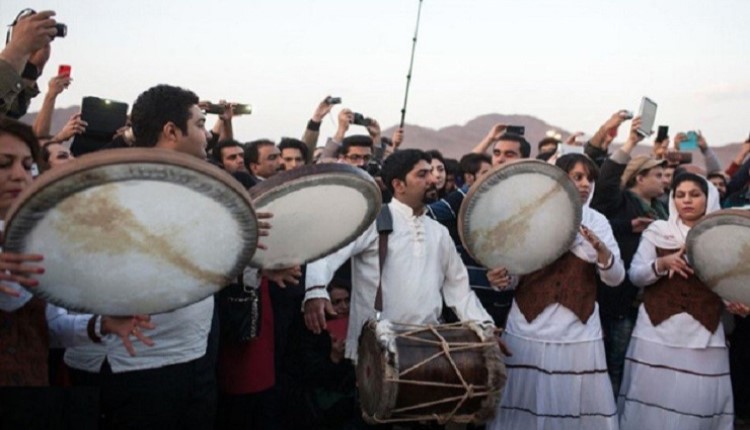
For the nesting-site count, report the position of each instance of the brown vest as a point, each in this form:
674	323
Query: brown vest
669	297
24	345
569	281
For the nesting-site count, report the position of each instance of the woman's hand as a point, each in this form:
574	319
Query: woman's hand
499	278
674	263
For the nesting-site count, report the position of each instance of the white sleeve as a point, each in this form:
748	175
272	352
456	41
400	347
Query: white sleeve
66	330
641	271
319	273
10	303
457	293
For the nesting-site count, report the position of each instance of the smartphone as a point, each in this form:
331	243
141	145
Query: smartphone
516	129
239	109
679	158
63	70
626	114
647	112
663	133
360	119
563	149
691	143
333	100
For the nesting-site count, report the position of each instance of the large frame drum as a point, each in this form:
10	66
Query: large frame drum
521	216
133	231
443	373
718	248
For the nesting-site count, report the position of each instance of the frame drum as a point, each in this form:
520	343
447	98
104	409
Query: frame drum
718	248
133	231
317	210
521	216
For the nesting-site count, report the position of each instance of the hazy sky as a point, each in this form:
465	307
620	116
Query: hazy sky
570	63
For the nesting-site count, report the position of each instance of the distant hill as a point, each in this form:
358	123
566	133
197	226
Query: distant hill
455	140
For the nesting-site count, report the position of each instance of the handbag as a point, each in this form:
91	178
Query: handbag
239	312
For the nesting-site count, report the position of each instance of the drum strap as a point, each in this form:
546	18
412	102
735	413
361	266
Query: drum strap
384	224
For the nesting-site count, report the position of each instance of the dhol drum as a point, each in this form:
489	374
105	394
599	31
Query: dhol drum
444	373
317	210
718	248
133	231
521	216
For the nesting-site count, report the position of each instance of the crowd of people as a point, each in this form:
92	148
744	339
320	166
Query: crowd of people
616	333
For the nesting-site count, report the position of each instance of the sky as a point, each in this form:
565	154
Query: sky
570	63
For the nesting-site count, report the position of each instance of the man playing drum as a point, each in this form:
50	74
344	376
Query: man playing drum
422	268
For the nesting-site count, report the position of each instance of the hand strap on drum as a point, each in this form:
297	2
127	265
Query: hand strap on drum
384	224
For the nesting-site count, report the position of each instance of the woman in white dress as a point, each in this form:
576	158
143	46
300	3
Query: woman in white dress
557	375
677	365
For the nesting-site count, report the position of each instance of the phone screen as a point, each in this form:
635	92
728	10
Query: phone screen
691	143
648	116
64	70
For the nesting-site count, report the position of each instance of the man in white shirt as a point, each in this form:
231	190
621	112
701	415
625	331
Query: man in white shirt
422	268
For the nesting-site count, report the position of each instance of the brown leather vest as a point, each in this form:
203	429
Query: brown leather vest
24	345
669	297
569	281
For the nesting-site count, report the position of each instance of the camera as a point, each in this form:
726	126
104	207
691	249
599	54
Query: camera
373	168
332	100
360	119
61	30
626	114
239	109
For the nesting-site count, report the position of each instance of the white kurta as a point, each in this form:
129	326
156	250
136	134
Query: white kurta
557	375
422	263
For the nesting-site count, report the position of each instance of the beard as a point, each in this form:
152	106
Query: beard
430	196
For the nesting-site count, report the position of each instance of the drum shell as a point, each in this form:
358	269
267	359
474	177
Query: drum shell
383	392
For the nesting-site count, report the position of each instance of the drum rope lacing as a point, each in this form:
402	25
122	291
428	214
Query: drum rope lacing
446	349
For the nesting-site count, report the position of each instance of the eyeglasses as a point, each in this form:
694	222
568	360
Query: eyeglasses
355	158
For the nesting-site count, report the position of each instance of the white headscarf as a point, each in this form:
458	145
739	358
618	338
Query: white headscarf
672	233
597	223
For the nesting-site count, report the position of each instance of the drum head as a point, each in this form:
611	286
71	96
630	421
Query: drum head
133	231
718	248
521	216
317	210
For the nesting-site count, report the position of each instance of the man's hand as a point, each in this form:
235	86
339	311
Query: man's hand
338	347
31	33
346	116
282	277
499	278
124	327
58	84
14	268
322	110
263	227
633	137
75	125
315	314
640	224
398	138
572	140
228	113
496	132
702	143
374	130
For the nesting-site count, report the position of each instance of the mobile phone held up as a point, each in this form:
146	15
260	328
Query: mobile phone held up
64	70
333	100
360	119
516	129
662	134
647	112
239	109
691	143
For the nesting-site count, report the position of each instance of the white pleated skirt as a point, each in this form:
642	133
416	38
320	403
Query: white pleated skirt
670	388
556	386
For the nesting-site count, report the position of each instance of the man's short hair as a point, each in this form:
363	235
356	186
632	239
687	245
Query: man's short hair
21	131
252	151
360	140
216	151
291	143
471	163
547	141
399	164
719	175
453	167
522	143
156	107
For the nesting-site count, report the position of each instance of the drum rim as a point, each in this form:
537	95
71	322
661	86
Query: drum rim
567	185
715	219
278	186
157	156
